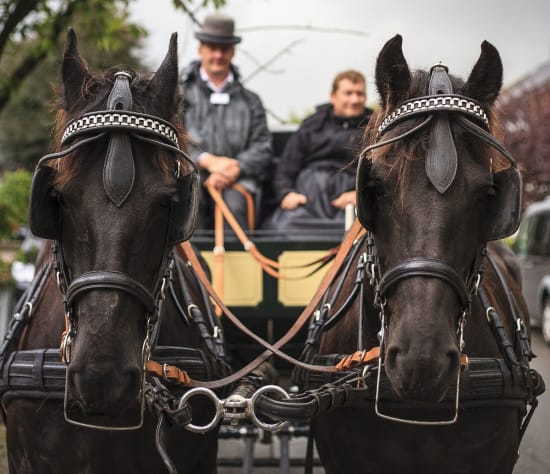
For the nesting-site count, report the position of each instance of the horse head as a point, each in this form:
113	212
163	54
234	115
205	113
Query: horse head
433	190
116	196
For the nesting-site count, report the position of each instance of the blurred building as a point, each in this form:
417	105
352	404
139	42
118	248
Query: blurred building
524	111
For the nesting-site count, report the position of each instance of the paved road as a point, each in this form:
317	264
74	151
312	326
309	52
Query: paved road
534	451
535	448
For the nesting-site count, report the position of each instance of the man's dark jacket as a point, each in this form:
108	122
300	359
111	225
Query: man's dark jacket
237	129
323	140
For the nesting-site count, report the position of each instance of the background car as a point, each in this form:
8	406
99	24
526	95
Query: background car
532	246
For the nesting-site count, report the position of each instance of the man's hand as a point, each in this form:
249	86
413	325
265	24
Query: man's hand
292	200
222	165
344	199
218	181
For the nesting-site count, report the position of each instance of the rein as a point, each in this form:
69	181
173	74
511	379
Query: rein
269	266
188	254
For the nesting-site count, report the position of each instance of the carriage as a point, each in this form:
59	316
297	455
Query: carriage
415	340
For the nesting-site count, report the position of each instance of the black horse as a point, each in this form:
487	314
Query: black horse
433	187
115	199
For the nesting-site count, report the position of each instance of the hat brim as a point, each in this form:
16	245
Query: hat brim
214	39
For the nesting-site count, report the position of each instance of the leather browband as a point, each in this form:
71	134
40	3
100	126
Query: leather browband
109	120
429	104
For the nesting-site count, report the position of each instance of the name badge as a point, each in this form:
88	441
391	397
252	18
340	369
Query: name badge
219	98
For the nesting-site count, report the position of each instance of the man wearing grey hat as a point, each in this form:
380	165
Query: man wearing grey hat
225	122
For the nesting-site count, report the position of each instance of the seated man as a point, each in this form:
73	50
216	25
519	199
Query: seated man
312	180
225	122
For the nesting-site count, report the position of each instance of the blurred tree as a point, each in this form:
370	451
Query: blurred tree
30	31
31	41
14	197
27	120
30	55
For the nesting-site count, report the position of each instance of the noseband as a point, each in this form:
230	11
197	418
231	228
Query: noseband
441	166
118	123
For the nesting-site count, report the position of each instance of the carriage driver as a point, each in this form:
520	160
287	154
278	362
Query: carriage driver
225	122
312	183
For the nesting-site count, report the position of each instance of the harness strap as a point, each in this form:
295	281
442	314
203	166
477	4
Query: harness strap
268	265
358	358
168	372
187	251
249	204
119	170
441	158
424	267
522	336
219	255
110	280
24	309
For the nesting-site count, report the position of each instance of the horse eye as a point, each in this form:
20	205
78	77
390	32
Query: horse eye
377	187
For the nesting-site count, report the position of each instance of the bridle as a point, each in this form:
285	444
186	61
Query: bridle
441	165
119	123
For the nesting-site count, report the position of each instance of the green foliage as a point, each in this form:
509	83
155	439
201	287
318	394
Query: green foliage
32	37
27	256
14	201
105	38
5	273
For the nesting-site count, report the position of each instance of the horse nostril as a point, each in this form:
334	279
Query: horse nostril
454	361
392	353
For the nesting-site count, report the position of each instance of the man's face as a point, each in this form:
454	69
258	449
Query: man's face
349	98
216	58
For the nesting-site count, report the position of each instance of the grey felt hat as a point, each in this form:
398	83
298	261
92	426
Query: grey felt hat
218	29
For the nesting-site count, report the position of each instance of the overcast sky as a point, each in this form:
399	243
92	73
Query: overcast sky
432	30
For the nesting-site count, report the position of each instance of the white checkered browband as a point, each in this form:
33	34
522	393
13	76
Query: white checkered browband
437	103
124	120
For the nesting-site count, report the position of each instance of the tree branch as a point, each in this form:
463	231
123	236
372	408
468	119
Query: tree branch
35	55
318	29
187	10
22	9
263	67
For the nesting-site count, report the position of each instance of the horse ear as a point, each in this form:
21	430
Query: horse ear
73	70
485	79
393	77
165	81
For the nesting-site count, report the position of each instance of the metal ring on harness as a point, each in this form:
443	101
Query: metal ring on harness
260	424
217	405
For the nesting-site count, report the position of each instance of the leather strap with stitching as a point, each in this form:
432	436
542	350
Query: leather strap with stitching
168	372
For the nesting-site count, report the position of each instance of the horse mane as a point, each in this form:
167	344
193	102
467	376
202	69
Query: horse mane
94	94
